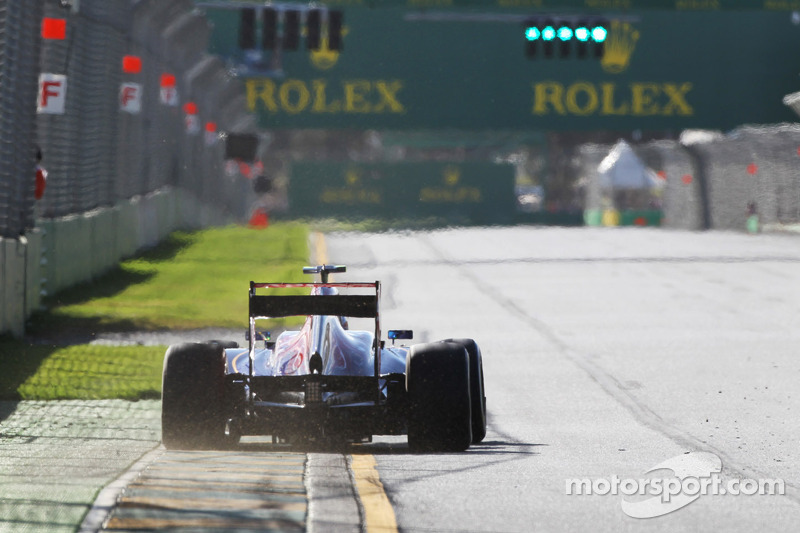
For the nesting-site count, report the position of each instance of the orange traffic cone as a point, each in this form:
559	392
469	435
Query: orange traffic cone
260	219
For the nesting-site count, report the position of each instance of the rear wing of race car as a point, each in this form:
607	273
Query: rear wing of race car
263	306
357	306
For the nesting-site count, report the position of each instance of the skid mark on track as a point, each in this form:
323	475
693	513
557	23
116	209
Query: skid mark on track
608	383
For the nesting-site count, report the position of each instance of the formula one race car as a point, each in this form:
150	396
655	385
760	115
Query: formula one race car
323	382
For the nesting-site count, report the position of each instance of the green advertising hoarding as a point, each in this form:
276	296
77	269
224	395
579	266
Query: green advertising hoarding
467	69
467	192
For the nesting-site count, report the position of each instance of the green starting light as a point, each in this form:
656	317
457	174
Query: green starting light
599	34
572	35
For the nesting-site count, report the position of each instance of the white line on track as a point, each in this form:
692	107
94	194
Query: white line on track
107	498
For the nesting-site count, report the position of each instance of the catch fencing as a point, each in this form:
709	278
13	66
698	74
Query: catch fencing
19	68
707	180
96	153
130	113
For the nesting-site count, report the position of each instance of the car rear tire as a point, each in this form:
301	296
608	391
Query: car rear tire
192	397
476	389
438	385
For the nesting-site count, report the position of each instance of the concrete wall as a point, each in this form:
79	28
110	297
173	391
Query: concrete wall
66	251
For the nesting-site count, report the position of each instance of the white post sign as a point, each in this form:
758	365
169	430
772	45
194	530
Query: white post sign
192	124
52	94
130	97
169	96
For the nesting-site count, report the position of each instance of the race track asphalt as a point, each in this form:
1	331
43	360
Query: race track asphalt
606	353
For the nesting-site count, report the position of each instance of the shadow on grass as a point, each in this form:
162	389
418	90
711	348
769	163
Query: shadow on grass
120	278
55	372
47	324
110	284
52	328
19	362
48	329
168	248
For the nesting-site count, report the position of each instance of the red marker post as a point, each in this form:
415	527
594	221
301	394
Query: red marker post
190	118
211	133
54	29
52	87
131	64
130	94
168	90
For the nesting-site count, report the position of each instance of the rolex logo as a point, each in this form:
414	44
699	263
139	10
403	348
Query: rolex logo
325	58
451	176
619	47
352	177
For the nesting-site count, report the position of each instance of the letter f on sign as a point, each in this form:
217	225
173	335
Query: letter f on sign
128	94
130	99
49	88
52	93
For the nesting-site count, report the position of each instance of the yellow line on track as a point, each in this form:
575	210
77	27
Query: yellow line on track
378	512
321	246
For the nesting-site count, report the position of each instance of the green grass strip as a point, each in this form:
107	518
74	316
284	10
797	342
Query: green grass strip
192	280
82	372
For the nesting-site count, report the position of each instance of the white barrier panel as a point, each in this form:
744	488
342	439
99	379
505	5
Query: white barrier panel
104	255
3	327
33	272
13	258
148	222
126	227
